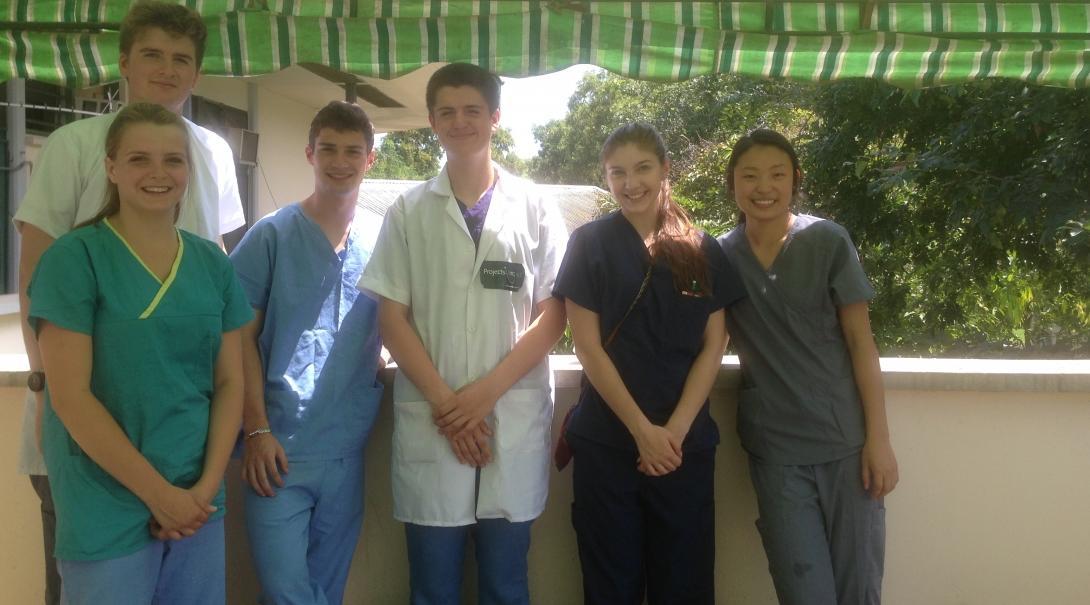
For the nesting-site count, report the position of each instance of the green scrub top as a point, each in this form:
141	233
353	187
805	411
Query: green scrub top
154	350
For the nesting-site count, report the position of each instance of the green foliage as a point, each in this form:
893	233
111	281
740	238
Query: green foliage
698	119
503	152
968	205
417	155
407	155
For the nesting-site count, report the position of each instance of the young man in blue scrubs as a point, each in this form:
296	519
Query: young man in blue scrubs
311	359
465	265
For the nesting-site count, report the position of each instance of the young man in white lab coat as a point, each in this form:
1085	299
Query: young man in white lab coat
464	266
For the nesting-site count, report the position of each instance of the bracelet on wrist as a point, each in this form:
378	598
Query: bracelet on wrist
253	434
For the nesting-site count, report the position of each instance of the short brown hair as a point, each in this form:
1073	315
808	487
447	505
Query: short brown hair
464	74
343	117
175	19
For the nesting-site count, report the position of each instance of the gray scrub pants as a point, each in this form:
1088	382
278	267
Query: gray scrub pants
824	536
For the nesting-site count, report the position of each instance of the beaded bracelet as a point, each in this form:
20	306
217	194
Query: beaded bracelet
253	434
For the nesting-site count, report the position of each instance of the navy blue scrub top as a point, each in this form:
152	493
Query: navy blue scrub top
658	342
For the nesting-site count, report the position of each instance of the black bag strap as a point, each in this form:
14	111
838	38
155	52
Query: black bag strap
643	288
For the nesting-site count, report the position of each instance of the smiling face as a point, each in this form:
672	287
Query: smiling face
635	177
764	183
160	68
462	121
150	168
340	159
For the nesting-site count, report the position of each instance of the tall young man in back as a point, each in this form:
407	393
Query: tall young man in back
311	357
465	265
162	45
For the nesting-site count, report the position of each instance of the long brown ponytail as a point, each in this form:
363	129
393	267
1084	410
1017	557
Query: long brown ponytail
675	239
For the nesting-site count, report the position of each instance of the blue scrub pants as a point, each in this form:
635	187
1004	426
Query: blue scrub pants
182	572
824	536
303	538
436	556
638	533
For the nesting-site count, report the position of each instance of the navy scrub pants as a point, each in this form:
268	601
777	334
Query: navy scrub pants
638	533
824	536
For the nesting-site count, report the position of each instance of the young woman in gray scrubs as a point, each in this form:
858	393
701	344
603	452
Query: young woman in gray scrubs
811	410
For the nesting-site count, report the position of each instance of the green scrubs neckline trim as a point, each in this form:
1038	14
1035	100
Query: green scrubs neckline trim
164	285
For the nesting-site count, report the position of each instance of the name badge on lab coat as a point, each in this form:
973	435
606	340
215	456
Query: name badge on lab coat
499	275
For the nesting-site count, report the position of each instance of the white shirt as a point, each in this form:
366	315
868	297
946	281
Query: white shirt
68	186
426	259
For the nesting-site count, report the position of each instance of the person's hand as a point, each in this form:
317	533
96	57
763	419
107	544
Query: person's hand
177	513
659	449
263	460
472	447
880	473
464	411
203	492
678	429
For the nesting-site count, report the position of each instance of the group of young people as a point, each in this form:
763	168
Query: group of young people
154	356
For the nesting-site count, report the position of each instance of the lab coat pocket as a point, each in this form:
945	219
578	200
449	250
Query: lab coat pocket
523	420
517	488
416	438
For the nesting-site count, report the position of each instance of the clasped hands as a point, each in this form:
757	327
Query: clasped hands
178	513
659	448
462	418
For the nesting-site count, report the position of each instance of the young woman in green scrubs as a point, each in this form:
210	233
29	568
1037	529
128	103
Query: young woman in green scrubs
138	324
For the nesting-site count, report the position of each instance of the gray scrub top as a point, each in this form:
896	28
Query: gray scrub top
798	402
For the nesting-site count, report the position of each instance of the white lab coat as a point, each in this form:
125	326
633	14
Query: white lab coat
425	258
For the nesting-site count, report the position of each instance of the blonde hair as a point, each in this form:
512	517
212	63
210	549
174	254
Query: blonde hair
131	115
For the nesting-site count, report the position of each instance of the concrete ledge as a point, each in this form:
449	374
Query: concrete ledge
899	373
931	374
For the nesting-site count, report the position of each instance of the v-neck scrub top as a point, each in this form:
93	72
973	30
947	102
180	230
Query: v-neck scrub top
320	343
799	403
657	344
154	351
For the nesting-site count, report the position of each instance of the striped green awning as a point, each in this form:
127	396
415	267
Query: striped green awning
913	44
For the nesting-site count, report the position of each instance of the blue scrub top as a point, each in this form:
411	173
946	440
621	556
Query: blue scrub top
320	342
658	342
154	348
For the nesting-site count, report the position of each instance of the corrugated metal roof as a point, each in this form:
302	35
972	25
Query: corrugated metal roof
578	203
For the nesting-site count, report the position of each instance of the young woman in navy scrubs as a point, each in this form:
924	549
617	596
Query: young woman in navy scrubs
643	440
811	412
